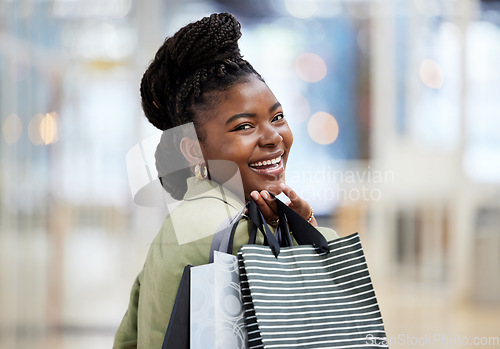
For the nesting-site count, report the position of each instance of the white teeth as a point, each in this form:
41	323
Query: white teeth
266	162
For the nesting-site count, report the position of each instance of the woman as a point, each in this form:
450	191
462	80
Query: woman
198	76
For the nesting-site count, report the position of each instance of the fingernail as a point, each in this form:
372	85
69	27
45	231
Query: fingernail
254	195
264	194
282	185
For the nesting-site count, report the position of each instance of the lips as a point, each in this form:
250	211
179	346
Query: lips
272	166
269	163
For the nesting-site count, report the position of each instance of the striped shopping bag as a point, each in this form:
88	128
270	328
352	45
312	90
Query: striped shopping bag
316	294
305	297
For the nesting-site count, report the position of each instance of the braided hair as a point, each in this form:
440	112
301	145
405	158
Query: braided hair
200	58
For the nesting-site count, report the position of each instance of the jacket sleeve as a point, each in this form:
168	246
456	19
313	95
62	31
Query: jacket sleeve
165	264
126	336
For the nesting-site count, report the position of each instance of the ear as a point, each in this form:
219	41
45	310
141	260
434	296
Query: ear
191	150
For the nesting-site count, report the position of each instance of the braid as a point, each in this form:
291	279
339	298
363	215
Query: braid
200	58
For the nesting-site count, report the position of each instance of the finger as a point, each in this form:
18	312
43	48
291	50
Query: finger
271	202
298	204
255	195
264	208
291	194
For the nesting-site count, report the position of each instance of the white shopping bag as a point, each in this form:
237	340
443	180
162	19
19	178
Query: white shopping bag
216	309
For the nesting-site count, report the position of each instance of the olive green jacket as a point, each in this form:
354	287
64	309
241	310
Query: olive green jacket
184	238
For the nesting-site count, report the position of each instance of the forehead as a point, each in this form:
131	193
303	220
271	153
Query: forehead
246	97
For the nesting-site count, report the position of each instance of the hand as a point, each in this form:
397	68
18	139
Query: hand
267	205
297	204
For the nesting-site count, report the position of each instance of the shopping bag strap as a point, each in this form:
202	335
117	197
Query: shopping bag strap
303	231
259	223
223	236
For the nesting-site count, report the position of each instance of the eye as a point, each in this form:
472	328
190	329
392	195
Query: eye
242	127
278	117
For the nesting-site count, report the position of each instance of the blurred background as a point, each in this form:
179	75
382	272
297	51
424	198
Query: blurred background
395	109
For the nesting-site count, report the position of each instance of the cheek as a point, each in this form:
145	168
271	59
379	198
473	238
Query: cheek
287	137
235	149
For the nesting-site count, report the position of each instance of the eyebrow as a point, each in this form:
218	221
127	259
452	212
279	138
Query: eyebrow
250	115
241	115
274	107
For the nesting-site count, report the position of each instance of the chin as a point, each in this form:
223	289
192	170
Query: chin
274	188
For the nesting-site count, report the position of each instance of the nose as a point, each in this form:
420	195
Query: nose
270	137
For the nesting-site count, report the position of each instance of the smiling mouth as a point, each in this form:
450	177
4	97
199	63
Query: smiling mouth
270	164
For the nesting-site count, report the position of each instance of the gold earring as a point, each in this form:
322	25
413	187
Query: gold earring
200	171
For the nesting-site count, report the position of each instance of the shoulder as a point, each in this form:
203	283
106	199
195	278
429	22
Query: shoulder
199	218
328	233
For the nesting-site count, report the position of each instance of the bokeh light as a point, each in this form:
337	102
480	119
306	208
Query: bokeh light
12	128
48	128
431	74
43	129
323	128
310	67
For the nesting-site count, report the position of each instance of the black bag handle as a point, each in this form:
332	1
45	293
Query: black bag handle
303	231
258	223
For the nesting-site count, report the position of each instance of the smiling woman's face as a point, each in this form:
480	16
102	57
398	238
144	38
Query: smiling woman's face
248	128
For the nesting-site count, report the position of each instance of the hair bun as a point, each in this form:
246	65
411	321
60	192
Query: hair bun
201	51
206	41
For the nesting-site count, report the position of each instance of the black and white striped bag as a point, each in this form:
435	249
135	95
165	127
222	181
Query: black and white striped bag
309	296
